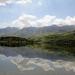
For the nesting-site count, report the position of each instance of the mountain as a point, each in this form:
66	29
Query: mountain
31	31
8	31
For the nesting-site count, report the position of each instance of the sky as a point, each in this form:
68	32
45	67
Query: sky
36	13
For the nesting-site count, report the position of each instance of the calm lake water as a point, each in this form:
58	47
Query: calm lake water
29	61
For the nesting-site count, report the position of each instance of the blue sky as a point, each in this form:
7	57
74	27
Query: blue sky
40	8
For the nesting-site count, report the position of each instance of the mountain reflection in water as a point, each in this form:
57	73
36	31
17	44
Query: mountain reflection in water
29	61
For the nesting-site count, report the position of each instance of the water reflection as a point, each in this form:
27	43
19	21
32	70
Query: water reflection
47	65
29	61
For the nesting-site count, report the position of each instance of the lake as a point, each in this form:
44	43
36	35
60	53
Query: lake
30	61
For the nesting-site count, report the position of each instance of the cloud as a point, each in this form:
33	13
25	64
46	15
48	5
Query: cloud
5	2
24	21
67	21
23	1
39	3
33	21
45	21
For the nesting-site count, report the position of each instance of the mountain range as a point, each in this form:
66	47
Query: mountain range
31	31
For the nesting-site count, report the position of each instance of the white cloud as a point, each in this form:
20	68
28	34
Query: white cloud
39	3
23	1
67	21
24	21
45	21
30	20
5	2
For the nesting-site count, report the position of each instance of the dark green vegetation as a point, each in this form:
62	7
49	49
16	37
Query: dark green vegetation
57	42
63	42
62	39
14	41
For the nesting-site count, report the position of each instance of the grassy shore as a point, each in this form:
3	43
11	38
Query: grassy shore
60	42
